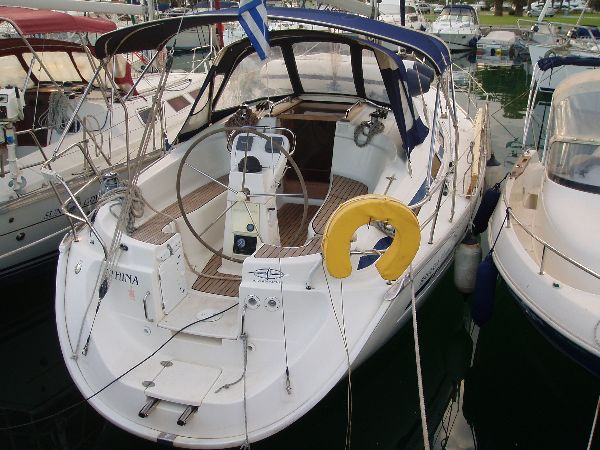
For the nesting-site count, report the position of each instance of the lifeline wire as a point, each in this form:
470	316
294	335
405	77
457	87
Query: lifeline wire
68	408
288	383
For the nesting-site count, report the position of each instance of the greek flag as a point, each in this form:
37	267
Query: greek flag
253	18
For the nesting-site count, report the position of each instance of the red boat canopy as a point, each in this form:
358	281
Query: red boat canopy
39	21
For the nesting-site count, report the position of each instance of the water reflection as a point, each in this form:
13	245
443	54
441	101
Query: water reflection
523	393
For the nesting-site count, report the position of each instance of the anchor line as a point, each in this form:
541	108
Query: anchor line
244	336
349	392
342	329
106	386
288	383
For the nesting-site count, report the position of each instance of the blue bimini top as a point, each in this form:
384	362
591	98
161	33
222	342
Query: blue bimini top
155	34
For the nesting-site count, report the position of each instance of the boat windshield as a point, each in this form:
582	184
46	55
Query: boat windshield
575	165
323	68
253	79
457	15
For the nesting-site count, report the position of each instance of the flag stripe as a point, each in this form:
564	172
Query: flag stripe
253	18
253	33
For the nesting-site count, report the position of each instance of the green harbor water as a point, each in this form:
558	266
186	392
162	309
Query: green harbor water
499	387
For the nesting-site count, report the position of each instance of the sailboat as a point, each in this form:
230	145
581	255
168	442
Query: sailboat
44	81
309	202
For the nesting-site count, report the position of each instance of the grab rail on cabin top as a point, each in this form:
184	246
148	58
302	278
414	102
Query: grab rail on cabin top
545	245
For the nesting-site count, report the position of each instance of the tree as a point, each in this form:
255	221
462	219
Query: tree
498	7
519	7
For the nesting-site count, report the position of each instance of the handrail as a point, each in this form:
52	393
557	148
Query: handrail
479	86
434	124
84	218
368	102
545	245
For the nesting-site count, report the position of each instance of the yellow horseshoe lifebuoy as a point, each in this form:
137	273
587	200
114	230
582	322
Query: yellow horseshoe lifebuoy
359	211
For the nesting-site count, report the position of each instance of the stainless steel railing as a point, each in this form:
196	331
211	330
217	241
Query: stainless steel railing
510	215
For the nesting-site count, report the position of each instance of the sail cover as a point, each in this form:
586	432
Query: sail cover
39	21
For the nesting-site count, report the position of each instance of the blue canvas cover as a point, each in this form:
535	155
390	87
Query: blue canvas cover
152	35
556	61
412	129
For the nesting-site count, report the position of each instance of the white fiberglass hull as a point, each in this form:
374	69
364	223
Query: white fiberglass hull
316	352
459	41
386	321
568	316
33	223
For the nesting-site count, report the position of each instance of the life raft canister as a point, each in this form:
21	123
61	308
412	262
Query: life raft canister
361	210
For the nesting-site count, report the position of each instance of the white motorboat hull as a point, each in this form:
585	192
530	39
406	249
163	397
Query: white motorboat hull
459	41
567	316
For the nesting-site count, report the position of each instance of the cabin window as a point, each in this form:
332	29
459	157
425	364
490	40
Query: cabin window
325	67
145	114
374	87
254	79
575	165
12	73
58	64
178	103
83	64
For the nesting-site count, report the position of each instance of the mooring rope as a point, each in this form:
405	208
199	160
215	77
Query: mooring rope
342	329
418	362
592	432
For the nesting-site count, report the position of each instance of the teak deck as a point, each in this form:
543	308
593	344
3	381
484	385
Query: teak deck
151	231
342	189
289	217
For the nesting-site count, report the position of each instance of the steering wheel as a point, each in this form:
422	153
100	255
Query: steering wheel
243	195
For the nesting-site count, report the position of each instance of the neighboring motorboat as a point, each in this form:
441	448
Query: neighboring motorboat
282	236
543	227
458	26
389	11
43	81
500	48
